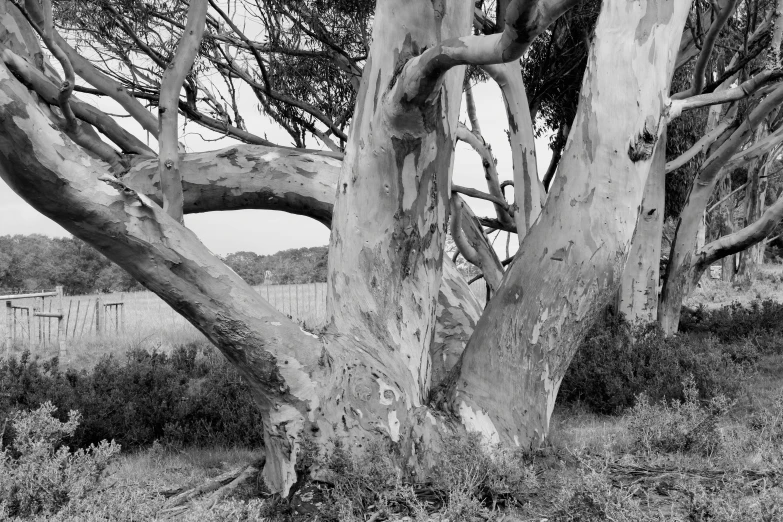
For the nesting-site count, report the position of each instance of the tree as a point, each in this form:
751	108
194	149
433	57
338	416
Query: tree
370	374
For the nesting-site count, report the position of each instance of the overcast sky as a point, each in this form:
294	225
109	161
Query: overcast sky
266	232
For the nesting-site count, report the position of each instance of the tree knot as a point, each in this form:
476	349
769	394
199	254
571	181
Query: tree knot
641	148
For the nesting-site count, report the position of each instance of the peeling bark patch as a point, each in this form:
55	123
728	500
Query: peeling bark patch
658	13
641	148
409	50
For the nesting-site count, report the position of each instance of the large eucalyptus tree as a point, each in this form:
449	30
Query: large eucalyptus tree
404	357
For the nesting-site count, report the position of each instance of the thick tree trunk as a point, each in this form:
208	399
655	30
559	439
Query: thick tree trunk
571	260
638	293
388	231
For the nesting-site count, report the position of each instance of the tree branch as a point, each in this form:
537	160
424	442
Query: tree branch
173	78
744	90
525	20
700	146
249	177
484	151
742	239
708	44
278	360
482	195
472	243
31	76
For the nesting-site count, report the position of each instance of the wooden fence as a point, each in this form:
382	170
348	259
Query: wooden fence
28	320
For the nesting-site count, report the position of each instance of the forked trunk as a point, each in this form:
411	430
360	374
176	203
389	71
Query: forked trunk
388	230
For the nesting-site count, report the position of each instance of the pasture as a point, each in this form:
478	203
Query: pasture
149	323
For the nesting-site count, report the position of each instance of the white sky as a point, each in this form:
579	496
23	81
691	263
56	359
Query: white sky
266	232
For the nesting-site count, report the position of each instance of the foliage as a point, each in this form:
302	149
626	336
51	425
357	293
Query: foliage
37	262
38	474
181	399
758	324
617	362
294	266
687	426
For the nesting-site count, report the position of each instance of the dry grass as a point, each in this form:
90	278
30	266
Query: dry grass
714	293
147	322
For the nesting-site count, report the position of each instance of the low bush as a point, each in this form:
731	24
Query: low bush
617	362
38	473
182	399
760	323
689	426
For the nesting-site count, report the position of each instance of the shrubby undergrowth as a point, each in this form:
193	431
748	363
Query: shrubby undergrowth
718	348
180	399
38	473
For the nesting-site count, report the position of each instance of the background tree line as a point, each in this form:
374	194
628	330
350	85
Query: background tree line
38	262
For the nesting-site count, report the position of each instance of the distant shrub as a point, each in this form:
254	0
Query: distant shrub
760	323
182	399
617	362
38	473
689	426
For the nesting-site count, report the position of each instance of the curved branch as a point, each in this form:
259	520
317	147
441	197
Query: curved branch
481	195
525	20
472	243
529	194
249	177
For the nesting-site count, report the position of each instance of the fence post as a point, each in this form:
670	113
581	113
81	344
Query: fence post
30	318
61	324
98	316
122	311
9	311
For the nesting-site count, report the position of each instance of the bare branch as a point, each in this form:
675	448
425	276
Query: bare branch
700	146
473	244
490	172
173	78
525	20
742	239
31	76
250	177
475	127
482	195
745	89
726	9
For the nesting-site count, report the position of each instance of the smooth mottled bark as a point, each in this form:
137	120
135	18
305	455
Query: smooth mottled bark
638	293
570	263
529	194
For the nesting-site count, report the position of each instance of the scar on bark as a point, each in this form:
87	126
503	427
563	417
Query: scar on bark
641	149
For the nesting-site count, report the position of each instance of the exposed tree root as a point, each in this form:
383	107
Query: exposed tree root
181	500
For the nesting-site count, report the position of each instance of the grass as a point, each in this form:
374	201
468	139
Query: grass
149	323
591	467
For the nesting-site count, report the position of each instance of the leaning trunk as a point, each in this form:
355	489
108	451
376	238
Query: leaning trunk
570	263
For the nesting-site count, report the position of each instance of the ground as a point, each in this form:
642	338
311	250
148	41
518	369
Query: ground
695	462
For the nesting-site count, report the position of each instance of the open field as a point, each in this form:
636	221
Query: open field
149	323
593	467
